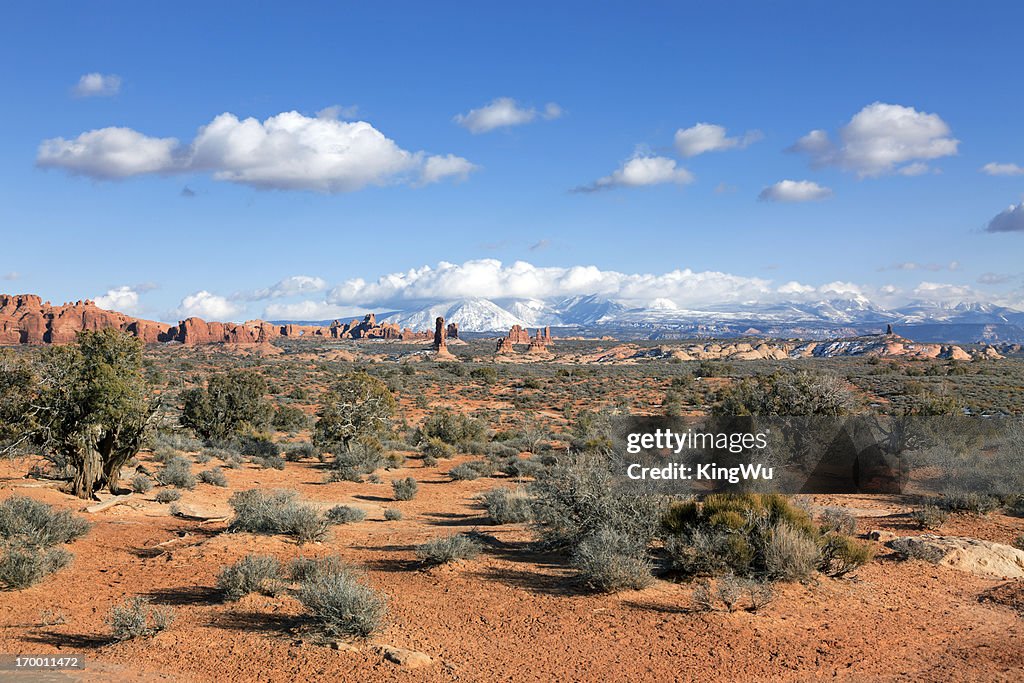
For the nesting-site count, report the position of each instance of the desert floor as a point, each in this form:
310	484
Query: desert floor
510	615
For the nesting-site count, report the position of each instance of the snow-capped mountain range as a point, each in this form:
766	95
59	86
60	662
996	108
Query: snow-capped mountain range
486	315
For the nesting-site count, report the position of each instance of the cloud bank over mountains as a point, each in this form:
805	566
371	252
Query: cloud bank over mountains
515	285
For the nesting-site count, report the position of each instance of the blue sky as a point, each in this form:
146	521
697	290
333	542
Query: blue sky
898	199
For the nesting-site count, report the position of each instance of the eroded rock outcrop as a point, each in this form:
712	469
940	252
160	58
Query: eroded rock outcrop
27	319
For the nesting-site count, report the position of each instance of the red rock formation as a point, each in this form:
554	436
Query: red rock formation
440	332
27	319
504	346
518	335
453	330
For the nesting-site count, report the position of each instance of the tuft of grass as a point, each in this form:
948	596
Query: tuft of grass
929	517
790	555
392	514
838	520
508	506
445	549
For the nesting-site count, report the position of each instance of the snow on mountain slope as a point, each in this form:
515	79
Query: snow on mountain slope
472	315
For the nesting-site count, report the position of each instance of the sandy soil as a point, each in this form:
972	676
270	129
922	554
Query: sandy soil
511	615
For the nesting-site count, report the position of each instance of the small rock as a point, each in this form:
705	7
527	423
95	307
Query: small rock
881	535
409	659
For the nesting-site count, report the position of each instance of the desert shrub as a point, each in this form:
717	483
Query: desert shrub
703	597
912	549
580	495
214	476
26	522
259	447
345	514
447	549
729	591
177	472
404	489
277	512
508	506
359	458
140	483
290	419
756	536
24	566
167	496
1018	542
392	514
340	603
800	393
929	517
136	618
789	554
591	432
232	403
486	374
838	520
176	441
305	568
969	501
435	449
517	467
268	462
252	574
451	428
841	554
609	561
464	472
294	452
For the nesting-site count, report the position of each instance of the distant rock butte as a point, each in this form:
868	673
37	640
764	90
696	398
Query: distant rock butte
27	319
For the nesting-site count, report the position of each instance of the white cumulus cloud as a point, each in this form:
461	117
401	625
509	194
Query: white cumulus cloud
437	168
640	171
109	153
1009	220
290	286
207	306
794	191
490	278
710	137
288	151
882	138
97	85
504	112
122	299
993	168
311	310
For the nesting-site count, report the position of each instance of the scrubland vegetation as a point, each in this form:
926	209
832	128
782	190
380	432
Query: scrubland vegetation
530	441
